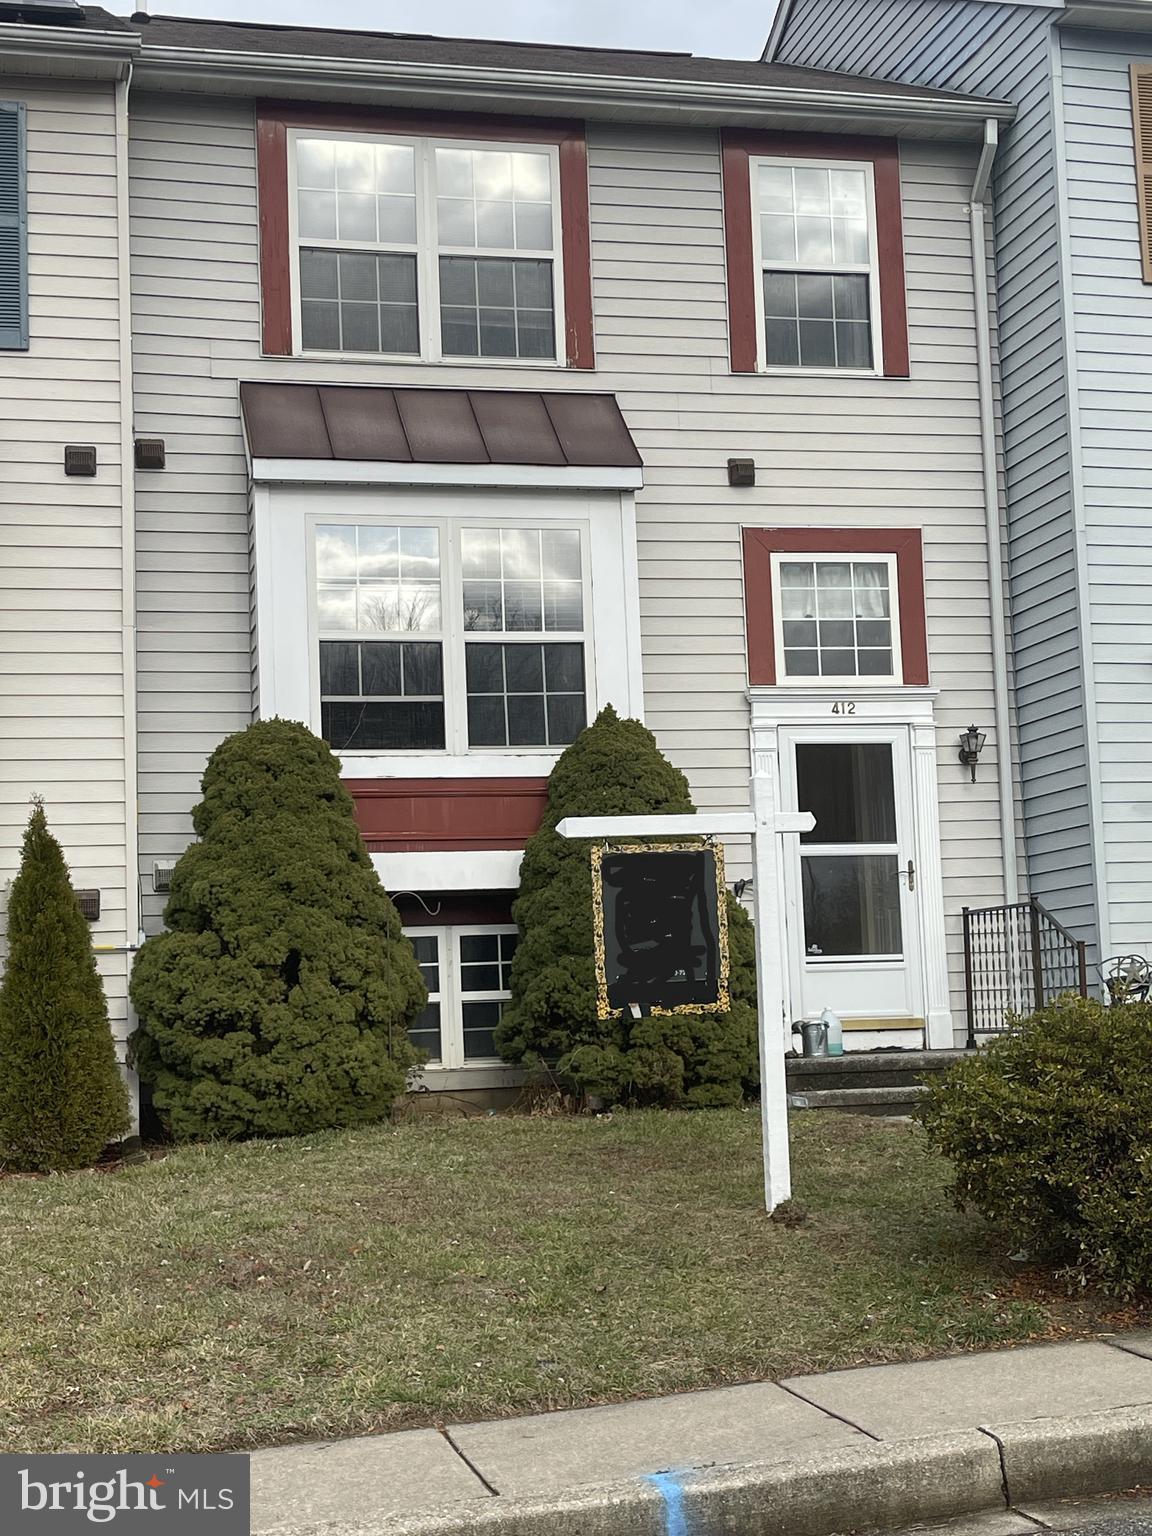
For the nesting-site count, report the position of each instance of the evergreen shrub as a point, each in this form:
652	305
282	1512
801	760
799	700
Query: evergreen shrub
279	1000
62	1099
705	1058
1050	1132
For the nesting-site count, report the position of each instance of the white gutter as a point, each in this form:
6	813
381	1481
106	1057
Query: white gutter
20	40
729	101
994	531
132	920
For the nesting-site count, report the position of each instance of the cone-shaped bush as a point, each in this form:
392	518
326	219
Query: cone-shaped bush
614	768
279	1000
62	1099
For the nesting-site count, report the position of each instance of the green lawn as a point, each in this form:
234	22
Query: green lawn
229	1296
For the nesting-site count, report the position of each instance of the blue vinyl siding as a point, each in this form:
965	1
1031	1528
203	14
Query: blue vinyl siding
13	229
1004	51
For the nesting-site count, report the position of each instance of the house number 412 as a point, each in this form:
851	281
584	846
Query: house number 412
843	707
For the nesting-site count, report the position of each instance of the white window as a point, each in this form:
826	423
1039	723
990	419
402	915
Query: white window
467	971
450	637
836	617
818	291
425	248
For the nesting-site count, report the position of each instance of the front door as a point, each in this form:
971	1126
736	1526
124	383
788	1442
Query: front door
851	907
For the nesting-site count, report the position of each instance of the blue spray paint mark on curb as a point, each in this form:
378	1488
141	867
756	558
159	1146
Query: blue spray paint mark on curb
669	1489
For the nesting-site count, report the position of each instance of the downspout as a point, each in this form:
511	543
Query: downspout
999	608
132	921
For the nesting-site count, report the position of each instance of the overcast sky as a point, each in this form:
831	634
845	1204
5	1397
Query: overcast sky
722	28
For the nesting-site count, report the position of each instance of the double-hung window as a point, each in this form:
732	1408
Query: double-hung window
818	291
836	618
458	637
466	971
419	248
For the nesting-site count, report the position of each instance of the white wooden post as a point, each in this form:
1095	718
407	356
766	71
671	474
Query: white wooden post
770	992
766	825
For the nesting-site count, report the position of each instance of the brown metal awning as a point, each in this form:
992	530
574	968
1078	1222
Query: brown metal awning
558	430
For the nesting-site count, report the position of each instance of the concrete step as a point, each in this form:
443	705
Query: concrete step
866	1069
860	1101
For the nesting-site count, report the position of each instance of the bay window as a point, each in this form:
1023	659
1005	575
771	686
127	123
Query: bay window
409	247
450	637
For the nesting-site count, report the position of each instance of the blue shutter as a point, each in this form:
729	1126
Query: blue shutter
13	230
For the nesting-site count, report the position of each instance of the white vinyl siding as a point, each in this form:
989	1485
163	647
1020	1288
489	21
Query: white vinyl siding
62	691
903	453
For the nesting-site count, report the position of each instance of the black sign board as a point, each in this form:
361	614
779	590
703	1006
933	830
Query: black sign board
661	928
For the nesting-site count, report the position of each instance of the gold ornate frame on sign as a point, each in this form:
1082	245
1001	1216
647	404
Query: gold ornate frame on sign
723	1001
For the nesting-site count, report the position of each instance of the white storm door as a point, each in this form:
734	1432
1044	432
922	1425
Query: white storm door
852	911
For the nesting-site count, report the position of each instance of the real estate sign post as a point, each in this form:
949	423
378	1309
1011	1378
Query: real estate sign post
766	825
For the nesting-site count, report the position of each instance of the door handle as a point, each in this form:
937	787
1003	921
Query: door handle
911	872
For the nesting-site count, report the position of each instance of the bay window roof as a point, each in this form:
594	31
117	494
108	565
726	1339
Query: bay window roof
557	429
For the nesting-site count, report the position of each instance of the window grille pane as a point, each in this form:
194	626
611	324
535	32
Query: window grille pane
357	301
494	199
496	307
835	618
480	1021
371	726
532	579
817	320
356	191
525	695
378	578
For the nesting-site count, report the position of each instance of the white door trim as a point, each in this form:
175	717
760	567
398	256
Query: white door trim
774	710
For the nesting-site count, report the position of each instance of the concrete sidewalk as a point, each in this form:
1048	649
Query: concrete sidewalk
873	1448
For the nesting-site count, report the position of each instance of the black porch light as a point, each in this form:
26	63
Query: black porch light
971	745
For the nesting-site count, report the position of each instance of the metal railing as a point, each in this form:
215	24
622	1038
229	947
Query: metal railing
1016	959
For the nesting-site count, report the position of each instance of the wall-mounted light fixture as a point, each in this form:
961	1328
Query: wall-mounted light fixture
971	745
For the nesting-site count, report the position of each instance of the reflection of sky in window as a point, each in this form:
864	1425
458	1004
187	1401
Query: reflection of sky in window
521	579
378	578
495	199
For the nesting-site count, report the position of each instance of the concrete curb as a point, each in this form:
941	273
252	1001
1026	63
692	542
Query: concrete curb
883	1486
1074	1457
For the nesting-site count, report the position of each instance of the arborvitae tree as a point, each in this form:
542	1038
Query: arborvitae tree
279	1000
614	768
62	1099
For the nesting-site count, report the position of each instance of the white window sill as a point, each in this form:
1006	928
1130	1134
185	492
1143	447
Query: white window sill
408	360
421	765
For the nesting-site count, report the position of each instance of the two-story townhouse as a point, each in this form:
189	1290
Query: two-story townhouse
1073	206
497	383
67	705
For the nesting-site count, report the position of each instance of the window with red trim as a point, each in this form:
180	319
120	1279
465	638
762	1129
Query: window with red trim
825	607
424	239
815	251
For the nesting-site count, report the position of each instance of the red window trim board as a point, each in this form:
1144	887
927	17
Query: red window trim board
447	815
760	544
273	120
884	154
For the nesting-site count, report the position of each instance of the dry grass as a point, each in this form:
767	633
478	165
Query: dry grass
229	1296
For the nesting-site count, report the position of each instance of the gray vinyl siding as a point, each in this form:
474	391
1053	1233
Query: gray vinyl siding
62	688
829	452
1003	51
1113	333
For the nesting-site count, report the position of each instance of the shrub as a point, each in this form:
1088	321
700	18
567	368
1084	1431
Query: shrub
1050	1130
62	1099
279	1000
614	768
